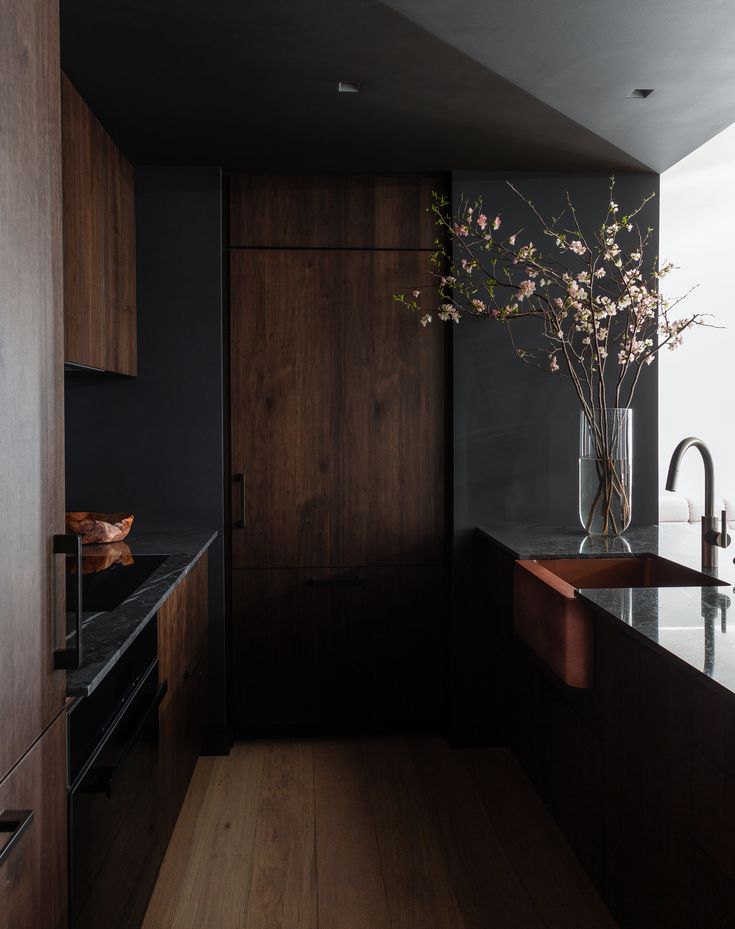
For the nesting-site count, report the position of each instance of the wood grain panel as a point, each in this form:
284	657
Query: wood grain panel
99	243
388	393
33	880
337	412
85	240
275	639
310	211
182	650
31	372
281	404
121	345
283	884
351	891
336	650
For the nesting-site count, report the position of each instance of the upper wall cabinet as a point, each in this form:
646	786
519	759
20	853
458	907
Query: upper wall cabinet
99	243
309	211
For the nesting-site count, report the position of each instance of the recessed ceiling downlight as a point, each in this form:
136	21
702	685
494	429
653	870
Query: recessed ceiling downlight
348	87
640	93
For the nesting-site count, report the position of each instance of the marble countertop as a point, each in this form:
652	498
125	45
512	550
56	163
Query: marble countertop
106	636
694	624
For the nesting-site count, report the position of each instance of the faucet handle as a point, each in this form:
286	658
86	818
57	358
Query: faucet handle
723	539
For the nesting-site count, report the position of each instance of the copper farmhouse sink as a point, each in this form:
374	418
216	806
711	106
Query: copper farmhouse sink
558	627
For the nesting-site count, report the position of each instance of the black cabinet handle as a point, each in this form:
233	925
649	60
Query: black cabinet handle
68	659
339	580
240	478
14	822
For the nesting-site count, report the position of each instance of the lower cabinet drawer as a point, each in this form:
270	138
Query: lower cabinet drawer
33	860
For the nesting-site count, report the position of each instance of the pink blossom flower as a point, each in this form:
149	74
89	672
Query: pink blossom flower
482	220
425	320
577	247
478	305
460	229
496	223
526	289
553	364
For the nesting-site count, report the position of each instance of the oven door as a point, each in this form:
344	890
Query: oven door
113	817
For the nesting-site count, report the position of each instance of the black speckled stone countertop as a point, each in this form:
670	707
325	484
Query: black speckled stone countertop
694	624
106	636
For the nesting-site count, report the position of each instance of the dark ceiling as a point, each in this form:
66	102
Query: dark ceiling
254	85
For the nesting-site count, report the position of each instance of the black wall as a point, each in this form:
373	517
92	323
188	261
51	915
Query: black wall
153	445
516	429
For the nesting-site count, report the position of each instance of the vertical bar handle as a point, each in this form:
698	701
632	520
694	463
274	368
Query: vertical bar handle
15	823
68	659
240	479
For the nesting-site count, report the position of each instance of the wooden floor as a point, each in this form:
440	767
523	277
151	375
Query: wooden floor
390	833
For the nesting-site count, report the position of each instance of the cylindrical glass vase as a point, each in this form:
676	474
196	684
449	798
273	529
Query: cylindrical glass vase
605	470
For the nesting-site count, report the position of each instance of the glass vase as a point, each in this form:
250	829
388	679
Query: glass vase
605	470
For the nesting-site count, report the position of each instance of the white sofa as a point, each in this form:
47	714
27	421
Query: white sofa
676	508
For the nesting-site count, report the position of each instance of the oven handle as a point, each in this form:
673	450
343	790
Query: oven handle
15	822
151	669
102	779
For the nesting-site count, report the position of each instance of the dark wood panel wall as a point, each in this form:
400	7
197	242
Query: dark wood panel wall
337	424
31	366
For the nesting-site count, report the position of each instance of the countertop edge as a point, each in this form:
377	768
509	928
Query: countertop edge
84	690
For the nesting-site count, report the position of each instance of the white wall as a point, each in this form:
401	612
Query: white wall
696	386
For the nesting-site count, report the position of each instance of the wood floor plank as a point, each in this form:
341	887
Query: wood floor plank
164	902
351	891
283	890
417	881
553	878
488	890
205	877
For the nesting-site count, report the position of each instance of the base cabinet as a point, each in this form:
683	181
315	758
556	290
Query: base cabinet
639	773
326	649
33	871
182	648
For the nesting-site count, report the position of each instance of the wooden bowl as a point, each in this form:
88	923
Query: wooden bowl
99	527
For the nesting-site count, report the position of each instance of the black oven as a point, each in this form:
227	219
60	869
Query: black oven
113	794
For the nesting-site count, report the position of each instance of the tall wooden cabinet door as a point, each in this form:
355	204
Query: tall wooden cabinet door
388	383
276	616
31	371
86	210
120	307
281	407
33	870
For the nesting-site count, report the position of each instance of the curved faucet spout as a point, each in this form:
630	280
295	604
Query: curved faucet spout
709	470
712	539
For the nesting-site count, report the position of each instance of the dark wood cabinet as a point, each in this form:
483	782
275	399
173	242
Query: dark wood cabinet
337	454
336	649
32	694
332	211
337	412
33	876
182	647
99	243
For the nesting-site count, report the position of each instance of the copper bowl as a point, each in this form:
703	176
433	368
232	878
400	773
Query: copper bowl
99	527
